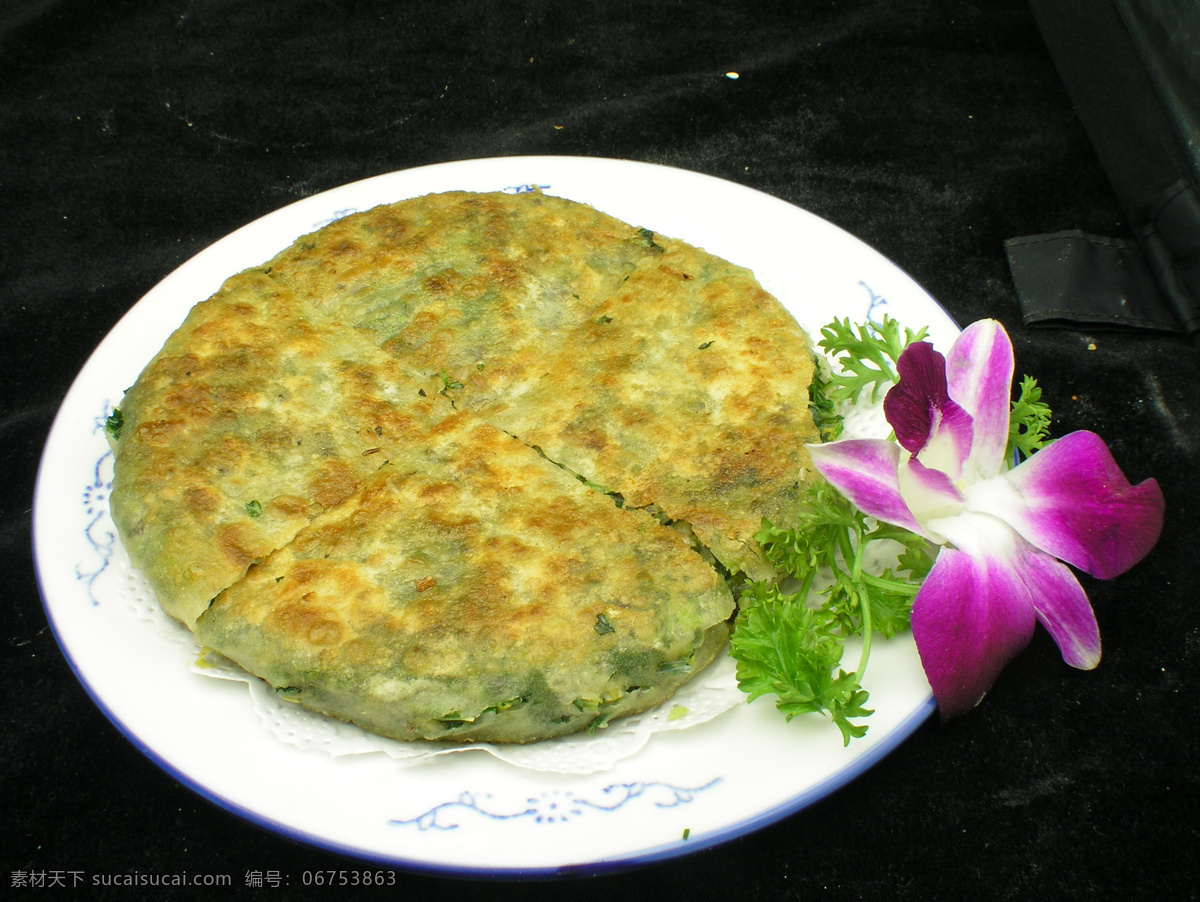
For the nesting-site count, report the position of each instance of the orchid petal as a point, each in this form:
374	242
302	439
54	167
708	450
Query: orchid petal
910	404
970	617
1006	584
1063	608
1072	501
927	421
865	471
979	374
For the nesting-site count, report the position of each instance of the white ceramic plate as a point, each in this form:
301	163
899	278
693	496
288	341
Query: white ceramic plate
467	814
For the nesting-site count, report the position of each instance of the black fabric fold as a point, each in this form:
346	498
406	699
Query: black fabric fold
1121	77
1074	278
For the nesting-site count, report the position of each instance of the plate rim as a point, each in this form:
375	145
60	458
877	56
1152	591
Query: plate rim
643	856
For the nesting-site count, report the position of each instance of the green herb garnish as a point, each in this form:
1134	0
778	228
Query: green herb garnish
1029	425
865	355
253	508
647	237
114	423
790	635
823	409
789	641
448	381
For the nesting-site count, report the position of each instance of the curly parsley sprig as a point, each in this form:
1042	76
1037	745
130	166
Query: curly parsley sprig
790	633
1029	423
864	357
785	648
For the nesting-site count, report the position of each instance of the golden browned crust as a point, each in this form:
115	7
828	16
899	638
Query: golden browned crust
686	389
420	470
481	590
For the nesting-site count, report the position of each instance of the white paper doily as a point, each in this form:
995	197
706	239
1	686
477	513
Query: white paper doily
709	694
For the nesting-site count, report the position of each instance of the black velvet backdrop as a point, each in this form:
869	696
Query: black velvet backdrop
135	133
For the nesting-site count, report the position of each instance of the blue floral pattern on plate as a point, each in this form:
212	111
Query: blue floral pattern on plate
553	807
97	527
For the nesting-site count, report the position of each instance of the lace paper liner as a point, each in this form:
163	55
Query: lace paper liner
710	693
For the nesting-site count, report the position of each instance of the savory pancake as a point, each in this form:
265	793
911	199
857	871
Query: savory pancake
462	466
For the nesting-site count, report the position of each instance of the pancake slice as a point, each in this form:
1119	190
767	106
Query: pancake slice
247	424
479	593
686	390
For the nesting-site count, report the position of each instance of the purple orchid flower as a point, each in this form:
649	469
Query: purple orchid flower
1005	533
